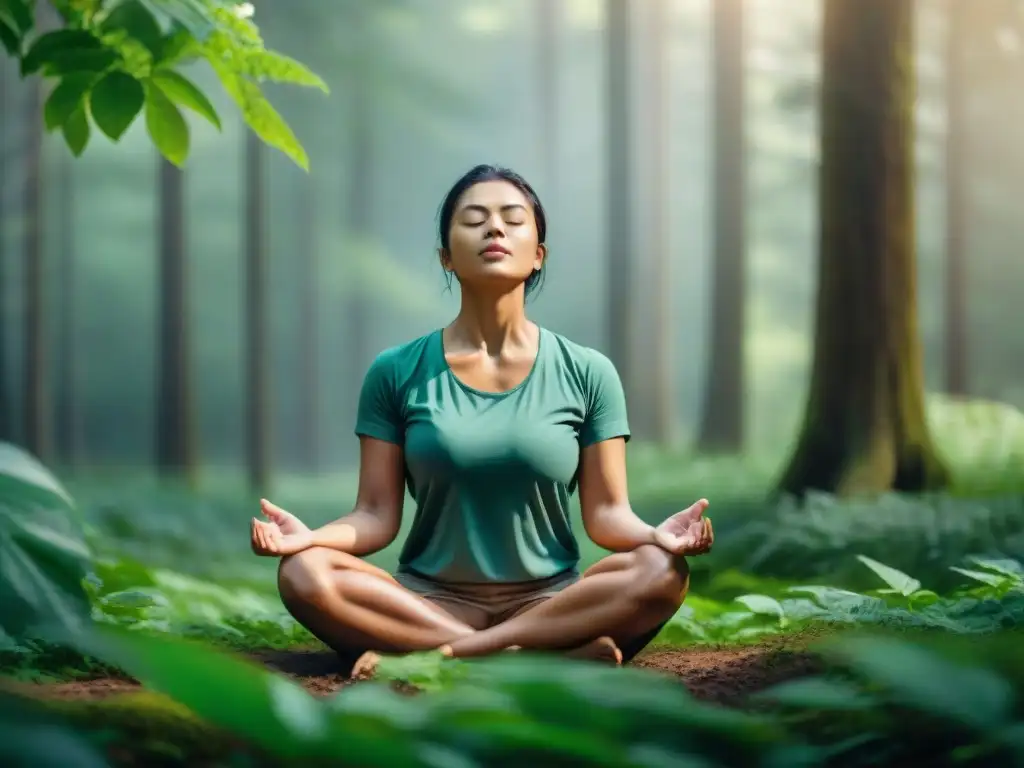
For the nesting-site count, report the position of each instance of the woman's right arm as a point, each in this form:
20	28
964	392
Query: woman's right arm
376	517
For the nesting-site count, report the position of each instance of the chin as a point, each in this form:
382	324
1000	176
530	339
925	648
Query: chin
494	278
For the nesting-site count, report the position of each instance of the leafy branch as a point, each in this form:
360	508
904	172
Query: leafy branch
112	60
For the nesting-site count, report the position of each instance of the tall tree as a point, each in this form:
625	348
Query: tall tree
68	421
955	335
257	385
721	426
175	426
548	15
7	426
309	326
618	29
660	411
864	427
36	388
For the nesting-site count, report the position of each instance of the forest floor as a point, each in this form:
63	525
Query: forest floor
724	675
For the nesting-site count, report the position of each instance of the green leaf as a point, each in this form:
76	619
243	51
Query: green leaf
114	102
816	693
59	42
10	39
244	698
185	93
71	62
991	579
76	131
166	126
135	19
261	116
31	735
17	14
274	66
175	48
919	678
193	15
897	580
43	556
66	98
762	604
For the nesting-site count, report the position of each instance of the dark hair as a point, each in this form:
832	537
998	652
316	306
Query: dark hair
482	173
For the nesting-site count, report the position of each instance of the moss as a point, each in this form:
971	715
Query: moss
150	729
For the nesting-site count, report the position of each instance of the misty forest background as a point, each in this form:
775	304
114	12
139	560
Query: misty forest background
675	145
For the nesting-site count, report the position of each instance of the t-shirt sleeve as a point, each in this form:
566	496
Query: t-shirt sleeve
606	403
379	414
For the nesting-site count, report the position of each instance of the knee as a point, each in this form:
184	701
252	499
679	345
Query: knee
305	578
660	579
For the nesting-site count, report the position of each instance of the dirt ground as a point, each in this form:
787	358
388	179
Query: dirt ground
724	676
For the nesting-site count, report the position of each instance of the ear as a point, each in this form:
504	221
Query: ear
541	257
445	258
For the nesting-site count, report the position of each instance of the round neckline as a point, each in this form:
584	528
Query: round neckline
484	392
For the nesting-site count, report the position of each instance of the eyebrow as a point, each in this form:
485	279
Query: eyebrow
483	209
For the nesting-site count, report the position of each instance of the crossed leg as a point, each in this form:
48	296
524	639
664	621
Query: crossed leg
354	607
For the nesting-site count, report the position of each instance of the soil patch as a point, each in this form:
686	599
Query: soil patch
720	675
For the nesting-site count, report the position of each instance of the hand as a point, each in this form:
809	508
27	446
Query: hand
687	532
282	534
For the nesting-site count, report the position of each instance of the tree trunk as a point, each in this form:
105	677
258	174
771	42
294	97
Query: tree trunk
619	213
549	17
257	413
360	204
865	429
68	422
7	426
662	391
721	428
175	429
308	341
956	257
37	414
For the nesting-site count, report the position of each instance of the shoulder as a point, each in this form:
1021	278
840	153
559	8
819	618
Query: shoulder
589	364
402	358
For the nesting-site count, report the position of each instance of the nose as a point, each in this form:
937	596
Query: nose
495	226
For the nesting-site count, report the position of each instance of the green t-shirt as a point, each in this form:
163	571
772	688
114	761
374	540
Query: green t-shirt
491	473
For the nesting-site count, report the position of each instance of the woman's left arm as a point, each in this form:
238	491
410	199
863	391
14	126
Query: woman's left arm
604	499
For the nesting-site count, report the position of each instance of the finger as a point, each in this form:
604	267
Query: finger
272	511
710	531
253	539
694	511
264	543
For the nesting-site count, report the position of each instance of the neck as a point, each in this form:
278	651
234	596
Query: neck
490	321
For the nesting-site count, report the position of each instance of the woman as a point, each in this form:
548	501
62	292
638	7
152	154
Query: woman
493	422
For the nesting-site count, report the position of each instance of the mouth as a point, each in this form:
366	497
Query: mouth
495	251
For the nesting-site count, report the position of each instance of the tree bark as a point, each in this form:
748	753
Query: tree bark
68	418
7	426
722	418
549	17
257	412
37	407
864	428
619	214
175	426
309	344
956	257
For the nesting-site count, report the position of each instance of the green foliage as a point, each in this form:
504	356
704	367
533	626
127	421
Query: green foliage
43	557
30	735
113	60
992	600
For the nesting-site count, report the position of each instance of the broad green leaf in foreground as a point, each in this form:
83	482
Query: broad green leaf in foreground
31	737
247	700
919	678
114	102
43	555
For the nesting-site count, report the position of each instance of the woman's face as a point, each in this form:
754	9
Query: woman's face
493	240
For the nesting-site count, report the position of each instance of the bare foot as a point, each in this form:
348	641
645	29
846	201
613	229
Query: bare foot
365	667
603	650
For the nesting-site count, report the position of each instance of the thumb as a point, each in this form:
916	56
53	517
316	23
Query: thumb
272	510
